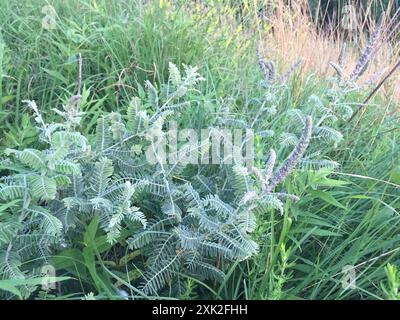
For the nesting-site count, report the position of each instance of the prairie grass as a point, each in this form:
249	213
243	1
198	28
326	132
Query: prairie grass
349	217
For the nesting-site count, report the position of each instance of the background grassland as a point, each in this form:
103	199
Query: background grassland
351	218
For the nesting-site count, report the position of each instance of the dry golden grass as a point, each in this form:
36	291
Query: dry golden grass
286	33
294	36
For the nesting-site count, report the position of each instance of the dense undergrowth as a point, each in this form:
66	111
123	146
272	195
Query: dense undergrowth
77	193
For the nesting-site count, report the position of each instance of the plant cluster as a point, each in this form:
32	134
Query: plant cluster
187	220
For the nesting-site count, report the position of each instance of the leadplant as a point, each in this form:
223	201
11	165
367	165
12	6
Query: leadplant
188	220
347	81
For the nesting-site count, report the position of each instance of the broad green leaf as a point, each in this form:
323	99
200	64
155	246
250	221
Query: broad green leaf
11	285
57	75
327	197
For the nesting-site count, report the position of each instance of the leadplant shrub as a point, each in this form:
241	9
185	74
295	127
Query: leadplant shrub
188	220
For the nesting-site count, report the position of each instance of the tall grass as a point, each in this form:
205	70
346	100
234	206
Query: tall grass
349	218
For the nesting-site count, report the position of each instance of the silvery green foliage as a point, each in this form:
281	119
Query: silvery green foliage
185	219
53	191
184	226
30	224
325	116
270	119
324	135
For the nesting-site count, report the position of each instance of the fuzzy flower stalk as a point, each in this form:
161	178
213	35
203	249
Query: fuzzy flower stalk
340	67
290	71
267	67
268	181
367	54
268	70
269	168
294	157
